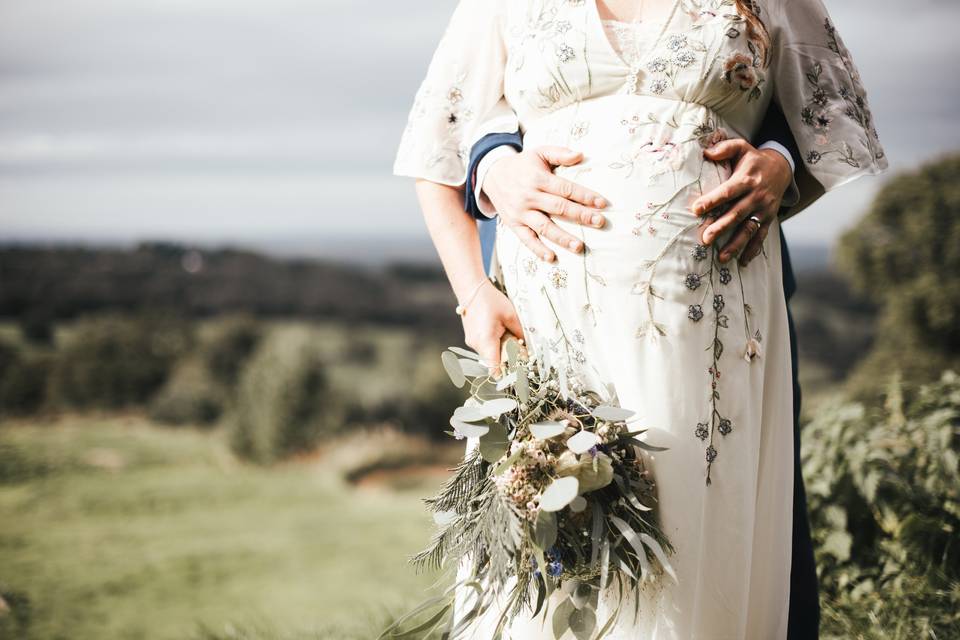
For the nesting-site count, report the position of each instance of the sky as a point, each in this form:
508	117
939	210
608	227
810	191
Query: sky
274	123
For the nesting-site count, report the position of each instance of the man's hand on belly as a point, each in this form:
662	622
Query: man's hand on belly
527	194
755	189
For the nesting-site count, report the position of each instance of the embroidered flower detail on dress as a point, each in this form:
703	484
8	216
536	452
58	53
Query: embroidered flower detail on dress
563	26
692	281
724	426
702	432
700	252
657	65
725	275
580	129
558	278
711	454
753	350
676	42
738	70
695	312
658	85
684	58
530	266
565	53
455	95
577	336
718	303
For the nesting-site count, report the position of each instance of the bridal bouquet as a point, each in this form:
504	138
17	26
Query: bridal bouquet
554	496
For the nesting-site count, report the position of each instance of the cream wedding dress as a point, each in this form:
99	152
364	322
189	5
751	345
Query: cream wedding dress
698	348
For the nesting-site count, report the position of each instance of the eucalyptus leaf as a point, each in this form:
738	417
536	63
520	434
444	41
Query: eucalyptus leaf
465	353
545	530
645	446
467	430
581	594
473	368
633	538
494	443
498	406
452	366
487	390
561	618
506	381
512	347
469	414
547	430
583	622
559	494
522	387
582	442
611	413
658	551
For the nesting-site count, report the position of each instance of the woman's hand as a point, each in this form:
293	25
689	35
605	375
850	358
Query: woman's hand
488	317
526	193
759	180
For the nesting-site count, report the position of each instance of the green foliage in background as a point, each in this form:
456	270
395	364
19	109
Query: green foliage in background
284	400
905	255
114	361
884	493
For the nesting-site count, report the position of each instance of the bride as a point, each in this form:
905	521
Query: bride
695	345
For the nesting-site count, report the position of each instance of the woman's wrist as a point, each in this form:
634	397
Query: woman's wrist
463	302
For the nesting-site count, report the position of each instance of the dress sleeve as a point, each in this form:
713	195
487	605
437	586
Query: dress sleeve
461	97
822	96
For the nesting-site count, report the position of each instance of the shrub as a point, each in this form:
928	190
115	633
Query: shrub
884	495
189	396
905	255
233	340
23	386
115	361
284	402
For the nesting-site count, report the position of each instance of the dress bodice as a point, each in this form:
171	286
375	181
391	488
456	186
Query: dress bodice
504	65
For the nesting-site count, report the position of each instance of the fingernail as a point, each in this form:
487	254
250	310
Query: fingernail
574	245
597	221
600	203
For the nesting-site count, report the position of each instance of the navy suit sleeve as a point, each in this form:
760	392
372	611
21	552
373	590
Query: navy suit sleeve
774	127
481	148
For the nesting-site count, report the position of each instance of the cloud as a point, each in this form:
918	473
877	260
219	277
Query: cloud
288	93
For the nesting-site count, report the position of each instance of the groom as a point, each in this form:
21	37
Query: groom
804	615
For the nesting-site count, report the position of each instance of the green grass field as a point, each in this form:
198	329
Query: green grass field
114	528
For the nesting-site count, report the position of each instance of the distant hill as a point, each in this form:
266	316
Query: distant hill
42	285
52	283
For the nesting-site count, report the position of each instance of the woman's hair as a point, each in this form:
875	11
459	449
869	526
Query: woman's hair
756	30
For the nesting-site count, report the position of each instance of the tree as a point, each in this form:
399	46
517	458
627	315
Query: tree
905	255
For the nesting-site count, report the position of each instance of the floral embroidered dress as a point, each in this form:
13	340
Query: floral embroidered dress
647	315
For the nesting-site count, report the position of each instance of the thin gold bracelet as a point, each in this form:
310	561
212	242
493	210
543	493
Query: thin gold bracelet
461	309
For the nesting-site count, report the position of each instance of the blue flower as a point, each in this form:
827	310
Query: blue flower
554	569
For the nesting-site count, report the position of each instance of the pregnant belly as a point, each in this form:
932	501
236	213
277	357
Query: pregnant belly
646	271
645	156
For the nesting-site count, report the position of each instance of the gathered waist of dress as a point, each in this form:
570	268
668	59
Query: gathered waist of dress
624	121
